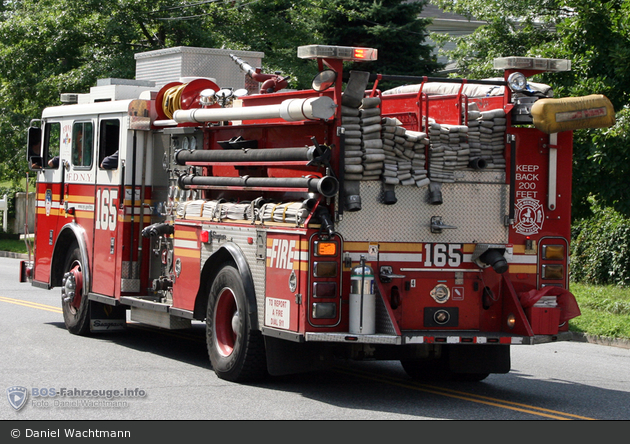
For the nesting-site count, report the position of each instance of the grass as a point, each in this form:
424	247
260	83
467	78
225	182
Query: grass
14	246
605	311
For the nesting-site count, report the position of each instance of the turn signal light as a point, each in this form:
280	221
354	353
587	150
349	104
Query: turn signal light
325	248
552	272
511	321
553	252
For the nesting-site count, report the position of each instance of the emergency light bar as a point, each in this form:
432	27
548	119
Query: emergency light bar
337	52
536	63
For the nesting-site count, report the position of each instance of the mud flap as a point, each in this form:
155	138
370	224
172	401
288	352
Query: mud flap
25	271
479	358
512	305
287	357
106	318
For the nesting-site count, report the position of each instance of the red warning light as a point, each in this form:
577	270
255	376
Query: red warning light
359	53
205	236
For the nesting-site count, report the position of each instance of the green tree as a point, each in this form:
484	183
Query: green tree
277	28
53	46
595	36
393	27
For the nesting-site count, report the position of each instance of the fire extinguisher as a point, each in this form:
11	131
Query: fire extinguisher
362	300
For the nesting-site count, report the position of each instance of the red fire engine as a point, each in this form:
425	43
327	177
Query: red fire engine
428	223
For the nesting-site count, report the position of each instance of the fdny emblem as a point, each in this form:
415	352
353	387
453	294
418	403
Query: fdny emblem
529	216
17	396
48	201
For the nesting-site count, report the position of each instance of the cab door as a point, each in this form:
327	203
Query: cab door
107	196
48	216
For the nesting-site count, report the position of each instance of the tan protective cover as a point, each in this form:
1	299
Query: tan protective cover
571	113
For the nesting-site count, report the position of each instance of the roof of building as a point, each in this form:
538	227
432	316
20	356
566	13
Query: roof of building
448	20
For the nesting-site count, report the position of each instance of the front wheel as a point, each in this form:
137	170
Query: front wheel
237	353
74	302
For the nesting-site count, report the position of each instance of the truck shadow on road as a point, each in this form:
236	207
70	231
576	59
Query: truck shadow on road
382	390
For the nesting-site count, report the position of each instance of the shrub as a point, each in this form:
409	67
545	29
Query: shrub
600	250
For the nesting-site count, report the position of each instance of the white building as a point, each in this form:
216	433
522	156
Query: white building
448	23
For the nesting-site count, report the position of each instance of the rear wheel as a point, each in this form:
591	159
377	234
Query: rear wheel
74	302
237	353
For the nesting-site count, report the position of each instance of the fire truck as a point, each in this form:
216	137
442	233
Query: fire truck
427	223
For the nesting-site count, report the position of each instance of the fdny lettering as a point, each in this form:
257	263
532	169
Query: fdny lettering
80	177
281	254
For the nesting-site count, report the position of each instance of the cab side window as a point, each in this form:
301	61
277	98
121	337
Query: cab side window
109	141
82	144
52	142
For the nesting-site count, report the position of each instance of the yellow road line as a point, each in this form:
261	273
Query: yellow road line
524	408
31	304
529	409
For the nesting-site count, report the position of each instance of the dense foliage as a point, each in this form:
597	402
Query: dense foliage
601	248
52	46
391	25
595	36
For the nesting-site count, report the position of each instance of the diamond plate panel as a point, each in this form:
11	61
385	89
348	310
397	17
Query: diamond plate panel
129	277
129	270
383	322
170	64
476	209
239	235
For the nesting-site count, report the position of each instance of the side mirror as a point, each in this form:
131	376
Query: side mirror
34	148
324	80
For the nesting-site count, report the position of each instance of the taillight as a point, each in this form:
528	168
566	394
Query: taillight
324	289
325	285
325	269
325	248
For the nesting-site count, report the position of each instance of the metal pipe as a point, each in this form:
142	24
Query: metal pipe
326	186
247	155
512	210
133	202
291	110
419	79
244	66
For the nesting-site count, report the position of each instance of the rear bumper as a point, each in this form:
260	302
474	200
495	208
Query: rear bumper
432	337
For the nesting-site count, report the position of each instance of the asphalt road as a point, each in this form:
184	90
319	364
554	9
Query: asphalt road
168	377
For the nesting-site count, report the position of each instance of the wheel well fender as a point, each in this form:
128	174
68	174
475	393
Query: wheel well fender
69	234
228	254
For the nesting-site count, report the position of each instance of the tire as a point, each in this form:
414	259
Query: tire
237	353
74	302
